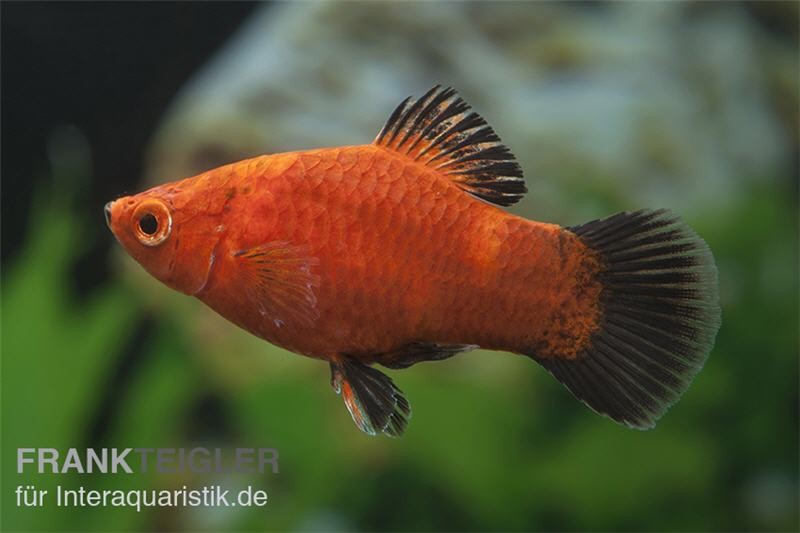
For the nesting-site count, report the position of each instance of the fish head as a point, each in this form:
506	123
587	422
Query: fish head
167	233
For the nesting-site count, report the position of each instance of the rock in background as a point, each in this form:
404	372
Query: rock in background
608	106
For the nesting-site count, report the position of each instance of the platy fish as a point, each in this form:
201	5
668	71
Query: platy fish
398	252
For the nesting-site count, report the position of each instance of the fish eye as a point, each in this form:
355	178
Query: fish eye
152	222
148	224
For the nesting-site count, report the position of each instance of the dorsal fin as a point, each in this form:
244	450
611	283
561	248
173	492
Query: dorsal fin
440	131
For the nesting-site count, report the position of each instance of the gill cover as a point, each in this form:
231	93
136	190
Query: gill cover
173	245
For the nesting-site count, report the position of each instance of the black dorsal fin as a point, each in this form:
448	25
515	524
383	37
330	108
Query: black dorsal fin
440	131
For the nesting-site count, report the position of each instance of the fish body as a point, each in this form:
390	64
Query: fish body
398	252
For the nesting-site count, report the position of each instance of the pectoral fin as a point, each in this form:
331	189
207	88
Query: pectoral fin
279	277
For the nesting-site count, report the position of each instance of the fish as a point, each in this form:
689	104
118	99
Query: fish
400	251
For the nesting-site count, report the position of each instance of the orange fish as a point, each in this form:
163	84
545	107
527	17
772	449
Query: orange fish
396	252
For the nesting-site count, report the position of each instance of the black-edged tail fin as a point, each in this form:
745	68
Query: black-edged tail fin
371	397
660	316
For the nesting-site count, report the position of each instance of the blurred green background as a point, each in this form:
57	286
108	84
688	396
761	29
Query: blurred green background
608	106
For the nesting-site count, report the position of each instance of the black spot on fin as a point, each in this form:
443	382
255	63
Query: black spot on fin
660	316
371	397
278	278
440	131
416	352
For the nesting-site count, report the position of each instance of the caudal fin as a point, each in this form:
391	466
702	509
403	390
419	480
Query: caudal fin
659	317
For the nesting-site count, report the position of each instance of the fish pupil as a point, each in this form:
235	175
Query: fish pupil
148	224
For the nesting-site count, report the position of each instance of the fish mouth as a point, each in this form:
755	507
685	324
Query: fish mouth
107	210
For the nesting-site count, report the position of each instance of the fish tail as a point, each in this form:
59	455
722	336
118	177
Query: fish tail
657	316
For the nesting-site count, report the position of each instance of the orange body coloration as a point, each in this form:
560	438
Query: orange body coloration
402	255
395	253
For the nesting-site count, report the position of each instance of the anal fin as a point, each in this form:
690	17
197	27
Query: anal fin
371	397
416	352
